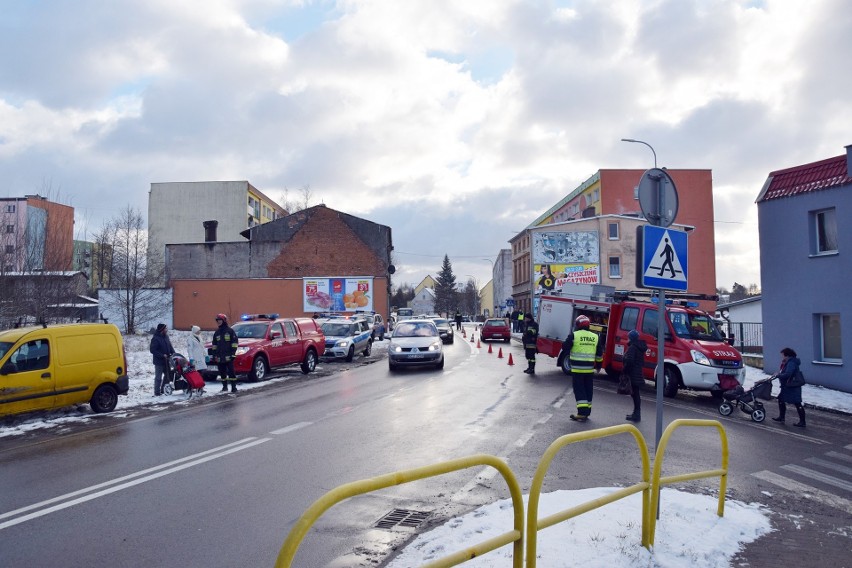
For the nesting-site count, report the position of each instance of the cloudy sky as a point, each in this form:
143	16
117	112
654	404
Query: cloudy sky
454	122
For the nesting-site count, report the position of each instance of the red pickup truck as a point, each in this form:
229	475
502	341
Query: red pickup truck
267	342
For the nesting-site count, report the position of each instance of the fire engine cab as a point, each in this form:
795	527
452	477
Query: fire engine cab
696	355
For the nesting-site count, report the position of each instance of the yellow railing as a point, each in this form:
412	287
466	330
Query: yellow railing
649	486
534	524
657	482
516	536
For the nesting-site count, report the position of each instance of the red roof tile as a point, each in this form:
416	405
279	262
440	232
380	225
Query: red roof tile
815	176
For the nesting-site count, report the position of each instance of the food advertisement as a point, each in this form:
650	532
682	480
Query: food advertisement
324	294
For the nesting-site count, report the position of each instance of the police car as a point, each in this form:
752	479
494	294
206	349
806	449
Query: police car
344	337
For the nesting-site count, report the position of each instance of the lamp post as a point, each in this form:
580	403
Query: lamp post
646	144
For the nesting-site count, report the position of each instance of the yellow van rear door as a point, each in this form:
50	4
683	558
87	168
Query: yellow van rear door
27	381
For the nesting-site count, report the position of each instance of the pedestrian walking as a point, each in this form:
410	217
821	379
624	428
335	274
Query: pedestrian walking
520	321
530	338
222	350
790	364
634	363
458	319
585	353
161	349
195	350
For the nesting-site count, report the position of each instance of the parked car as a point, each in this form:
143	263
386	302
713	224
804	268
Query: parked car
415	343
445	329
345	337
268	342
496	328
60	365
377	324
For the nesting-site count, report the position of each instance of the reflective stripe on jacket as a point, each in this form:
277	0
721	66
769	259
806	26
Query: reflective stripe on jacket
584	352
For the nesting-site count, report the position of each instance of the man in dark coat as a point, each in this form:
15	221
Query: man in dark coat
530	338
161	349
223	349
634	363
458	319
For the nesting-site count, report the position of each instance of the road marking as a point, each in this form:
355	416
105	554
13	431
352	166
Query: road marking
543	420
831	465
817	476
818	495
173	467
522	441
839	456
291	428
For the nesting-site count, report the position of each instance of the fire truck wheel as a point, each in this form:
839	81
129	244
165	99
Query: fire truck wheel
670	385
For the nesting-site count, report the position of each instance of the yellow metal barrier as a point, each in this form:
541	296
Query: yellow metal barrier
657	482
534	524
516	536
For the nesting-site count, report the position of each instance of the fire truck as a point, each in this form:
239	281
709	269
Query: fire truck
696	355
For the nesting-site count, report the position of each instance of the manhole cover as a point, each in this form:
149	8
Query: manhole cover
402	518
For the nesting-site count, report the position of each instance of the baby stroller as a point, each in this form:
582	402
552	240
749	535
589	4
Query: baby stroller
748	400
183	376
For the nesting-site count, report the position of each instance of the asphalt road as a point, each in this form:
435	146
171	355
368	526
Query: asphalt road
221	482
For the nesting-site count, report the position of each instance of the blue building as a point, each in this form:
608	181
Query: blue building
805	268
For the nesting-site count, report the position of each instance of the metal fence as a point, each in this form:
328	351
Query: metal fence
748	337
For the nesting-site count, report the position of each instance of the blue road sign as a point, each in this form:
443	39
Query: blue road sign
510	302
664	259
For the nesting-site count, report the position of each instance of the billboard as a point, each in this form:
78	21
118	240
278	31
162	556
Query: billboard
337	294
568	256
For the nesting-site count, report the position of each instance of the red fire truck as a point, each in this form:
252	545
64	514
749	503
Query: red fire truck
696	355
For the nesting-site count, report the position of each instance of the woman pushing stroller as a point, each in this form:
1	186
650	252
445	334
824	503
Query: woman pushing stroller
789	367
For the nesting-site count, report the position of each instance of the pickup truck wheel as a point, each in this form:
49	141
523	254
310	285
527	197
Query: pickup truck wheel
259	369
310	362
670	385
104	399
351	354
368	349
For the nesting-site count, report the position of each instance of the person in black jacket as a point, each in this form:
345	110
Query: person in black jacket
530	338
161	349
790	364
634	362
223	349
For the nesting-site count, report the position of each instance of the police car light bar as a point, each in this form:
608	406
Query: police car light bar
250	317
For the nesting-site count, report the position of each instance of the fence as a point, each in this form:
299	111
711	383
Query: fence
748	337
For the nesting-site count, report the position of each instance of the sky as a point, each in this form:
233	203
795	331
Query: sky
610	536
462	121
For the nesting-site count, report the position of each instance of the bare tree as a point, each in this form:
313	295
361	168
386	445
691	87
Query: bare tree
131	271
303	201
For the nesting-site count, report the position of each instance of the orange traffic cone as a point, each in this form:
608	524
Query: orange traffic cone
478	346
489	348
500	353
472	337
510	360
464	333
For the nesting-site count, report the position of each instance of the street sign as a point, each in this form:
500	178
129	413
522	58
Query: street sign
510	302
662	259
658	197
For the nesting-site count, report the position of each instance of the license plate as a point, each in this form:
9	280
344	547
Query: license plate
497	335
730	371
415	356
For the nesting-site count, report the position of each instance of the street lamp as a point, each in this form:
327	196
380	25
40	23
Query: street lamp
646	144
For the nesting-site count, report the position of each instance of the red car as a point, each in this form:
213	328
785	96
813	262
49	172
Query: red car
496	328
267	342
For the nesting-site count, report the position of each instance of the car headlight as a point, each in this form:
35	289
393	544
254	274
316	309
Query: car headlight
699	357
343	343
436	346
395	349
241	351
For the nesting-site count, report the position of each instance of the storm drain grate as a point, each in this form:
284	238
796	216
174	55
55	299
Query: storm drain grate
402	518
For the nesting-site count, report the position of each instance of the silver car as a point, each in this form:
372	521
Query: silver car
345	337
445	329
415	343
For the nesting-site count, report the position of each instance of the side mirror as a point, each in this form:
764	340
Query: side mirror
730	340
276	334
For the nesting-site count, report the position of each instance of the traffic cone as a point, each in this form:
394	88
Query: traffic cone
500	353
489	348
472	337
510	360
464	333
478	345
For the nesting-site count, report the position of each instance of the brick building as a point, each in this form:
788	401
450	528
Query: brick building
271	270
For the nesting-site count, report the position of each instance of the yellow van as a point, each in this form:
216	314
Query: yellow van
59	365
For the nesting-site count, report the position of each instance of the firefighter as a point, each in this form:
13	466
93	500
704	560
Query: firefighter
223	349
585	352
530	338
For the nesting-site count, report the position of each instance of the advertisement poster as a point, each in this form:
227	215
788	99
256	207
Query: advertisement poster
324	294
550	277
561	248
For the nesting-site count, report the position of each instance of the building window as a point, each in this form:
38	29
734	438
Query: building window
10	228
615	267
829	336
612	228
10	249
596	195
10	209
825	235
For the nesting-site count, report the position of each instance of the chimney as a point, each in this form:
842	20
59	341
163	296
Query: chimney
849	160
210	231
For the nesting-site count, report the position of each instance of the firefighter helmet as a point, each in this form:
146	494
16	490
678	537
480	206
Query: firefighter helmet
582	322
222	317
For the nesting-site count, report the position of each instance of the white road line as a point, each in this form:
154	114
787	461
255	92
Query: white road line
522	441
839	456
543	420
818	495
126	485
831	465
815	475
291	428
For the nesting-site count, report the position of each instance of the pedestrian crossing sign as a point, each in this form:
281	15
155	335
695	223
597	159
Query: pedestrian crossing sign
662	259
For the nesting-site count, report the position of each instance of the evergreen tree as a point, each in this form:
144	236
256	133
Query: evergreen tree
446	300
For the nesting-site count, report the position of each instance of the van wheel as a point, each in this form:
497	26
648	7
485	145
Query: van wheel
105	399
310	362
259	369
670	385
